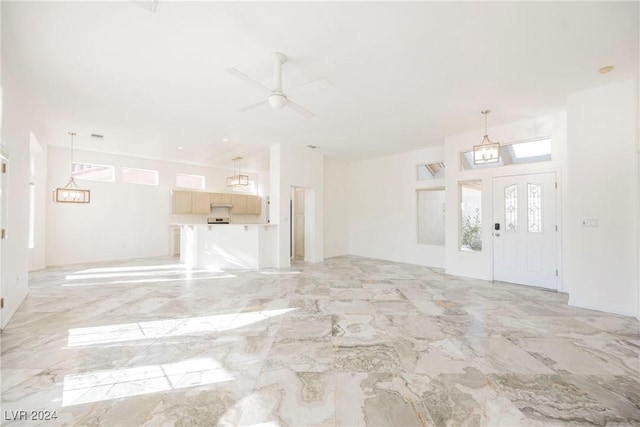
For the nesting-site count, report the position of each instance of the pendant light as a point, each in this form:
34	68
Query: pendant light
71	193
237	179
488	151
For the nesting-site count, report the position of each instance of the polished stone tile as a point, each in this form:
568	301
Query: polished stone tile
553	399
349	341
376	399
465	399
287	398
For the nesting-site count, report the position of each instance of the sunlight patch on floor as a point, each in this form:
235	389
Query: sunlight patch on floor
76	276
157	329
277	273
118	383
154	280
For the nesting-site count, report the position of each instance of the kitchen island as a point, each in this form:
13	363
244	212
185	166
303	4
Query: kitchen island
228	246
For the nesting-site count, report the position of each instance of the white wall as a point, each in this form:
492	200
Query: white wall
603	184
297	167
480	264
15	139
383	208
123	220
38	178
638	196
336	209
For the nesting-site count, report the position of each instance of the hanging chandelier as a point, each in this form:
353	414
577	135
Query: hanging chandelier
71	193
237	179
488	151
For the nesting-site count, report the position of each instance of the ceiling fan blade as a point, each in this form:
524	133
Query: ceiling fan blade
242	76
257	104
300	110
316	84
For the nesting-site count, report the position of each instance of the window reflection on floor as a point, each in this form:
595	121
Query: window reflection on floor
167	328
117	383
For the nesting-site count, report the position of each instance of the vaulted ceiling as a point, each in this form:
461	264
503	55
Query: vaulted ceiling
396	76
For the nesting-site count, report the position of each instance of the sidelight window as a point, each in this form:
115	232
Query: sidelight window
431	216
470	226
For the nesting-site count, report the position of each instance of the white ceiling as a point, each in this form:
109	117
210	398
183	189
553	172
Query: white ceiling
402	75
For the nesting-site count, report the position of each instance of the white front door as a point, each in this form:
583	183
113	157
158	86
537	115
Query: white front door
525	229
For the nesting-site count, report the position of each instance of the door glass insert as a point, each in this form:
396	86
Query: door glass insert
534	208
511	209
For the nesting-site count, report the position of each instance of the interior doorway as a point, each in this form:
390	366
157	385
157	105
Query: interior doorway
297	215
525	230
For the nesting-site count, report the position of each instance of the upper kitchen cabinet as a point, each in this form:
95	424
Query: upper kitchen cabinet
254	205
200	203
239	202
181	202
220	199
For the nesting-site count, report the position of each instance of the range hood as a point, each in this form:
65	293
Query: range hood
221	205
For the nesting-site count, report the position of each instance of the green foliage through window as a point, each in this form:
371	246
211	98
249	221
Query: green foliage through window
472	231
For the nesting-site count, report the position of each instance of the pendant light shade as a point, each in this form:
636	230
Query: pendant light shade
71	192
488	151
237	179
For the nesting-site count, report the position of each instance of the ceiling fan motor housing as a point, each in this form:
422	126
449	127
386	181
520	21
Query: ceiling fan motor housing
277	100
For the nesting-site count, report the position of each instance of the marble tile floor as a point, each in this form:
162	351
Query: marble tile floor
348	342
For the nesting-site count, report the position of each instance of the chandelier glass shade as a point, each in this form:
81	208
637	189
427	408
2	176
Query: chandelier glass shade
237	179
71	192
488	151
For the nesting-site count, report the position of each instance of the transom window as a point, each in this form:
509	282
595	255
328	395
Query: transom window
184	180
91	172
139	176
532	151
430	171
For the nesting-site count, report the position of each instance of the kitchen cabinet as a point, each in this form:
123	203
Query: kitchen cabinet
220	198
254	205
200	203
181	202
239	202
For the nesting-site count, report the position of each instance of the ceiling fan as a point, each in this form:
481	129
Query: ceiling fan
276	97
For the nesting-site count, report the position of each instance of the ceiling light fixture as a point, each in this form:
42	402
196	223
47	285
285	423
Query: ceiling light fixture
488	151
225	139
181	148
605	70
237	179
71	193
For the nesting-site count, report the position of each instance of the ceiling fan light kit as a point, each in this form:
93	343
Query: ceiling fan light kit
276	98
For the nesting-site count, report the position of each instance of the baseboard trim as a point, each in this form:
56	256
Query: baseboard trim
573	303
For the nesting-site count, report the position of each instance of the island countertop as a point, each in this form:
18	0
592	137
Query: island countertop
228	246
176	224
